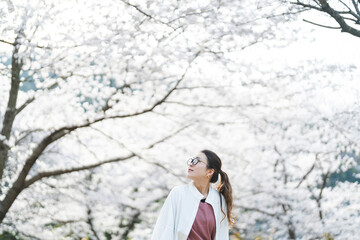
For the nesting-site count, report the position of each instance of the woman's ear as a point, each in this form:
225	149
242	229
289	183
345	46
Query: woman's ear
210	172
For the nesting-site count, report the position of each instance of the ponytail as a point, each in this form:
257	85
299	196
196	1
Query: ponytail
225	189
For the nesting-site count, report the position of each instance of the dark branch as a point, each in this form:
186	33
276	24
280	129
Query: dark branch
90	222
350	11
320	25
325	178
308	172
151	146
26	134
138	9
306	5
87	167
356	7
325	7
260	211
7	42
202	87
10	43
75	169
167	137
134	219
30	100
66	130
208	106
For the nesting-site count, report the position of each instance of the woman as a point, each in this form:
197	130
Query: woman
197	211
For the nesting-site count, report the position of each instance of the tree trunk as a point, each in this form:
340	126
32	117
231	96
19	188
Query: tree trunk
10	113
291	233
19	184
11	195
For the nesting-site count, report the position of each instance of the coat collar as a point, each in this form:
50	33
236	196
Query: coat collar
212	198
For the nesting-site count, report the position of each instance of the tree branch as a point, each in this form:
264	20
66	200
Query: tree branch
133	154
26	134
149	147
306	5
350	11
90	222
308	172
356	7
168	136
320	25
202	87
138	9
37	46
7	42
209	106
20	182
30	100
75	169
134	219
260	211
10	114
325	178
325	7
66	130
283	164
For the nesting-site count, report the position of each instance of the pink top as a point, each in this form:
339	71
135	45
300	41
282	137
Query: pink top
204	226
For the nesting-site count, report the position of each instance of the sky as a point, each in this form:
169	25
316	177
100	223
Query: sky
329	45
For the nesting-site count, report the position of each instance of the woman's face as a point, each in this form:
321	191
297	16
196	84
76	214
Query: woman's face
199	171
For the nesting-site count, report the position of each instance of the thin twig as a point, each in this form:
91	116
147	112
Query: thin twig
320	25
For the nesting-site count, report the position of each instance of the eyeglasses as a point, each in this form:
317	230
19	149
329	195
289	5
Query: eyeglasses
194	160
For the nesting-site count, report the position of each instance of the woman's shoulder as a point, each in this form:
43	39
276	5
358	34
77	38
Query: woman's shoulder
179	188
178	192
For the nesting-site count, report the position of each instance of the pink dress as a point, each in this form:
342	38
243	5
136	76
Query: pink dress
204	226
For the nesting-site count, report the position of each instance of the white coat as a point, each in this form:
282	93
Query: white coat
179	211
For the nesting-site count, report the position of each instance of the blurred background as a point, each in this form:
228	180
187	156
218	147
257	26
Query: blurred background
103	102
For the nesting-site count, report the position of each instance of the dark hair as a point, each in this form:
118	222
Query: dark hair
224	187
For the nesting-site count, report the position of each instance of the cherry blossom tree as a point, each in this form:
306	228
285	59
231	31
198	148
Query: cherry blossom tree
88	84
102	102
304	132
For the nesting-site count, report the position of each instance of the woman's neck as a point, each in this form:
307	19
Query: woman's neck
202	187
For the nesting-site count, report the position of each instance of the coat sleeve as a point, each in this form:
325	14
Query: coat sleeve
165	225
